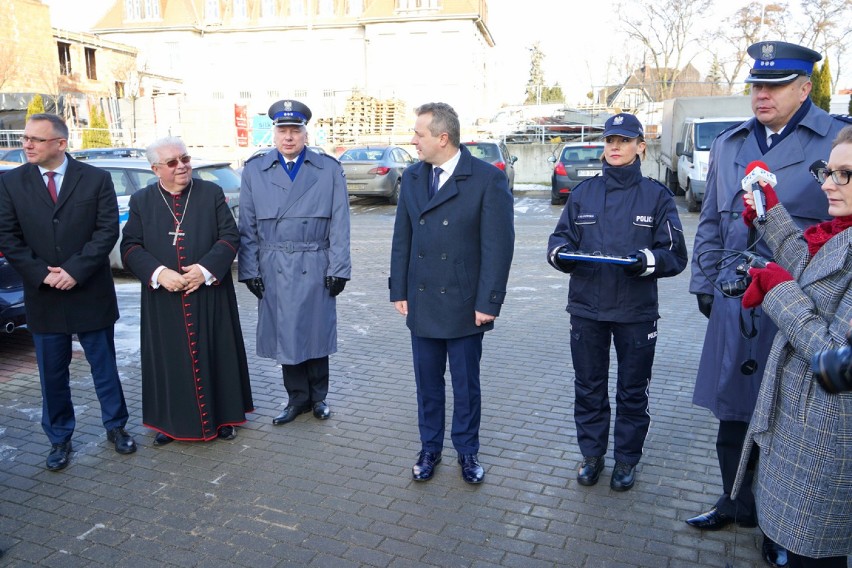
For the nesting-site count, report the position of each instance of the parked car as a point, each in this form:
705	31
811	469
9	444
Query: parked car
14	155
497	153
375	170
91	153
12	314
129	175
576	162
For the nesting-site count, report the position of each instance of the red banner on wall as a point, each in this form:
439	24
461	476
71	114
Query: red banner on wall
241	122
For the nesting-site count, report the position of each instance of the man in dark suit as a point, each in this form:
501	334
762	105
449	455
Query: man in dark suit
58	223
452	248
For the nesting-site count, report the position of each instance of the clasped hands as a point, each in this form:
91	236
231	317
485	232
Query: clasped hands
188	282
59	279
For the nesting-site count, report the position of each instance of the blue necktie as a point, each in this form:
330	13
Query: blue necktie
436	182
773	139
290	165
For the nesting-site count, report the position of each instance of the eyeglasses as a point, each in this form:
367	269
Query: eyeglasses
840	177
185	159
36	139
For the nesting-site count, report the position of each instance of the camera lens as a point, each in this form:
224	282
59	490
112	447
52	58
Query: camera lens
833	369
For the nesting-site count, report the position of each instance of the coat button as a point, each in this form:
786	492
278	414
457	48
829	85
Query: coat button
735	215
420	255
443	290
422	221
421	287
446	222
443	256
56	221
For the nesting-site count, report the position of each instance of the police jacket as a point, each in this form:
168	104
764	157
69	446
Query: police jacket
620	213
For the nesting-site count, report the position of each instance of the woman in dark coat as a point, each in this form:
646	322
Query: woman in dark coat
803	487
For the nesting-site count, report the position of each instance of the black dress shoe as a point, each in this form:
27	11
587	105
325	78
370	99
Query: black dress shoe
290	413
623	476
590	470
161	439
321	410
425	466
124	443
227	432
712	520
471	471
773	553
59	456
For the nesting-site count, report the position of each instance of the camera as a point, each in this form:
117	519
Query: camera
737	287
833	368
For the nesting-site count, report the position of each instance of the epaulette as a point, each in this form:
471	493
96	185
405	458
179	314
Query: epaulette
843	118
256	156
661	184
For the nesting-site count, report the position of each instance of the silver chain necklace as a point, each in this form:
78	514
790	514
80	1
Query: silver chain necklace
177	232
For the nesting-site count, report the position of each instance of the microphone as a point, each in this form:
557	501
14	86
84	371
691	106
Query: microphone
755	172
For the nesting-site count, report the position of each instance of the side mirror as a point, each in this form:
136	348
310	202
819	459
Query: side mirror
514	159
552	159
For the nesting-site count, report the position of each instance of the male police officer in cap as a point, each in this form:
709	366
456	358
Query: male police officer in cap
294	256
788	133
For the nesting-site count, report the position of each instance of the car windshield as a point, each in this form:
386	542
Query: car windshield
223	176
582	154
363	154
487	152
706	132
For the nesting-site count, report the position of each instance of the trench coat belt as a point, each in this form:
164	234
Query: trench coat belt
295	246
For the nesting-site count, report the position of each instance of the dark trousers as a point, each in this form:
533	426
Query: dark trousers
635	344
306	382
53	353
430	366
796	561
729	446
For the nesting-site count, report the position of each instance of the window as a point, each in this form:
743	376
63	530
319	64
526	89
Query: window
267	9
211	9
119	90
297	8
326	8
152	9
218	95
173	52
240	10
300	93
64	58
133	9
417	4
355	7
272	93
328	93
245	94
91	68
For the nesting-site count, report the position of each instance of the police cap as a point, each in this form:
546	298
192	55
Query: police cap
623	124
779	62
289	112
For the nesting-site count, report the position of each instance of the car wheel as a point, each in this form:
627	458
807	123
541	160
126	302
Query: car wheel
692	204
555	200
394	196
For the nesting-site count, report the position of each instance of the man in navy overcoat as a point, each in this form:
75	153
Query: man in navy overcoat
58	224
452	249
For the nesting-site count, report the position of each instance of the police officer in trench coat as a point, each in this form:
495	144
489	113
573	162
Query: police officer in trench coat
294	256
787	133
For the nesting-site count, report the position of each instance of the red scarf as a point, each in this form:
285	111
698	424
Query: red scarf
818	235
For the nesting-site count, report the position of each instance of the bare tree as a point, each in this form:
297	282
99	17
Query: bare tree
665	30
9	63
752	23
827	29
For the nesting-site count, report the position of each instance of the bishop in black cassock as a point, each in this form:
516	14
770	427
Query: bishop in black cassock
180	241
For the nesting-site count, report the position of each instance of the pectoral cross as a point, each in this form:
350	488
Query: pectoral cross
177	233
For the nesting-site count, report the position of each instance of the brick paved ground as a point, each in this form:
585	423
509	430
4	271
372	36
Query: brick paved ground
339	493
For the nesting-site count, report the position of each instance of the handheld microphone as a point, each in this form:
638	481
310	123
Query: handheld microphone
755	172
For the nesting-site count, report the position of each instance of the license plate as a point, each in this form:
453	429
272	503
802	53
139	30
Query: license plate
587	173
356	186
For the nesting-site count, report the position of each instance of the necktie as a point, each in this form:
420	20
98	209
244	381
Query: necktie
436	182
290	166
773	139
51	185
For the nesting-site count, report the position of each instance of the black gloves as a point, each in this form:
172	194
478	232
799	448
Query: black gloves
335	285
561	263
255	286
705	304
638	267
